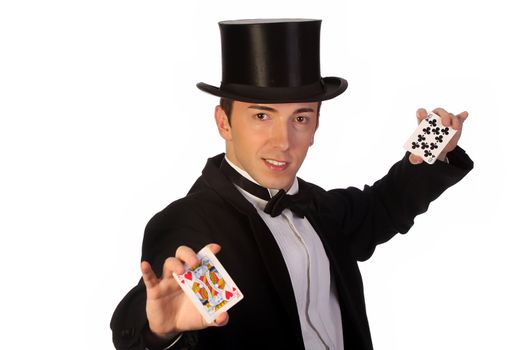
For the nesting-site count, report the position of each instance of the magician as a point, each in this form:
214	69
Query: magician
290	246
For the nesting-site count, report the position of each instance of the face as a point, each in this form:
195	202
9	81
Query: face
269	141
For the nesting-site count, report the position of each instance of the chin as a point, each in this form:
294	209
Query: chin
268	180
278	184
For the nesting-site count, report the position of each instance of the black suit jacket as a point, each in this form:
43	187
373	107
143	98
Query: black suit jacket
350	223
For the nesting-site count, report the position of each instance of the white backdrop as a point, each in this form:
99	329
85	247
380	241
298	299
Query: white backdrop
102	126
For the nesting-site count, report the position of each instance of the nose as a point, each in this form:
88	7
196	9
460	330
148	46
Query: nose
280	136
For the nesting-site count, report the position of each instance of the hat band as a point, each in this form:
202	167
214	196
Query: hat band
271	92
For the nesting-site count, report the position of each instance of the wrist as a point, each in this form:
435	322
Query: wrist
159	340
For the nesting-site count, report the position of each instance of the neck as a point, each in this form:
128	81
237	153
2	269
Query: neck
245	174
294	188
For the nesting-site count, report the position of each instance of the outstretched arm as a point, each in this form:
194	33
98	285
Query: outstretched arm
156	311
378	212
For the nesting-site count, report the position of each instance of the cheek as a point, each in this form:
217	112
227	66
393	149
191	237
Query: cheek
252	140
304	140
246	146
305	146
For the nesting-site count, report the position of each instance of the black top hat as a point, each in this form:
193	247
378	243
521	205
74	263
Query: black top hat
273	61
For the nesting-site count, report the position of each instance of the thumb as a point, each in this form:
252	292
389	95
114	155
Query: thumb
221	320
415	159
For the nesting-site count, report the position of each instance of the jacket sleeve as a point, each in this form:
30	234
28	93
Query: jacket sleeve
164	233
375	214
129	320
129	324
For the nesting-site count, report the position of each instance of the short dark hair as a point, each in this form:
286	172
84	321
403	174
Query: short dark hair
227	106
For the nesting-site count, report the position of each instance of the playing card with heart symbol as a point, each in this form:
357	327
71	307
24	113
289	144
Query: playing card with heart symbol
209	286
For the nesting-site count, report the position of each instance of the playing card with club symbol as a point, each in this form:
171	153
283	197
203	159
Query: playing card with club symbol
429	139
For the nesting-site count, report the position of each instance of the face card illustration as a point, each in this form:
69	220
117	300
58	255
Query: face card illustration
430	138
209	286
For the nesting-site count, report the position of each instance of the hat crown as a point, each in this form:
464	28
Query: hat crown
270	52
273	61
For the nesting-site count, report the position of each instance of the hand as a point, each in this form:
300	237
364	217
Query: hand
168	309
448	119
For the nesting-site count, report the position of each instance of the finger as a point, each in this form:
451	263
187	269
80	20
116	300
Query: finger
148	275
221	320
458	120
462	116
415	159
440	111
172	265
187	255
421	114
214	247
456	123
446	117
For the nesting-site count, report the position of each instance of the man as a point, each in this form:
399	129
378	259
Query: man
294	258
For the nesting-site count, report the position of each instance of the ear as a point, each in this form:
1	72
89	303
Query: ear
222	123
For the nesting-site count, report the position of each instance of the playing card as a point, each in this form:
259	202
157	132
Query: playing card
209	286
430	138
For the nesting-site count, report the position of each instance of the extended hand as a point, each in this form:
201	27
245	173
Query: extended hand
168	309
448	119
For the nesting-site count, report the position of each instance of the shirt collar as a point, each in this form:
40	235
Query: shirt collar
293	189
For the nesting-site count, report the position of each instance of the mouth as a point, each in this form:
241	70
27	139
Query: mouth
276	164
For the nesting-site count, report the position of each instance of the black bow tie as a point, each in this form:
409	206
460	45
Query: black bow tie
297	203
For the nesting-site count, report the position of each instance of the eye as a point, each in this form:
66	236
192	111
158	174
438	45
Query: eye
261	116
302	119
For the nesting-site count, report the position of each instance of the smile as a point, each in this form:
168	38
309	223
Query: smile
276	164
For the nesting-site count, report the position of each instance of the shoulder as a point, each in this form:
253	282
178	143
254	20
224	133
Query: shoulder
187	221
188	210
333	197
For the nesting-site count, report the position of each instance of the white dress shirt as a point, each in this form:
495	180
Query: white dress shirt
309	270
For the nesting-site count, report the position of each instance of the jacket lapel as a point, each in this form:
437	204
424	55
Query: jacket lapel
268	249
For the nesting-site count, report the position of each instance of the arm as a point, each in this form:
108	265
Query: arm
374	215
156	311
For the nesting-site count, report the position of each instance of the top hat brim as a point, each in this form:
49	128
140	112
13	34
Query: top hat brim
325	89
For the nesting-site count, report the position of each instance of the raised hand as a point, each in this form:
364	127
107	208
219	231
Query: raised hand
168	309
448	119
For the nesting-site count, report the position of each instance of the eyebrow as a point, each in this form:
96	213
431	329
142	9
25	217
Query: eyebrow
304	110
270	109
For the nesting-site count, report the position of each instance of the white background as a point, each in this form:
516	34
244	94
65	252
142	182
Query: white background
102	126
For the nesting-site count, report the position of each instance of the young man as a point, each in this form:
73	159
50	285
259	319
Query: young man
294	258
